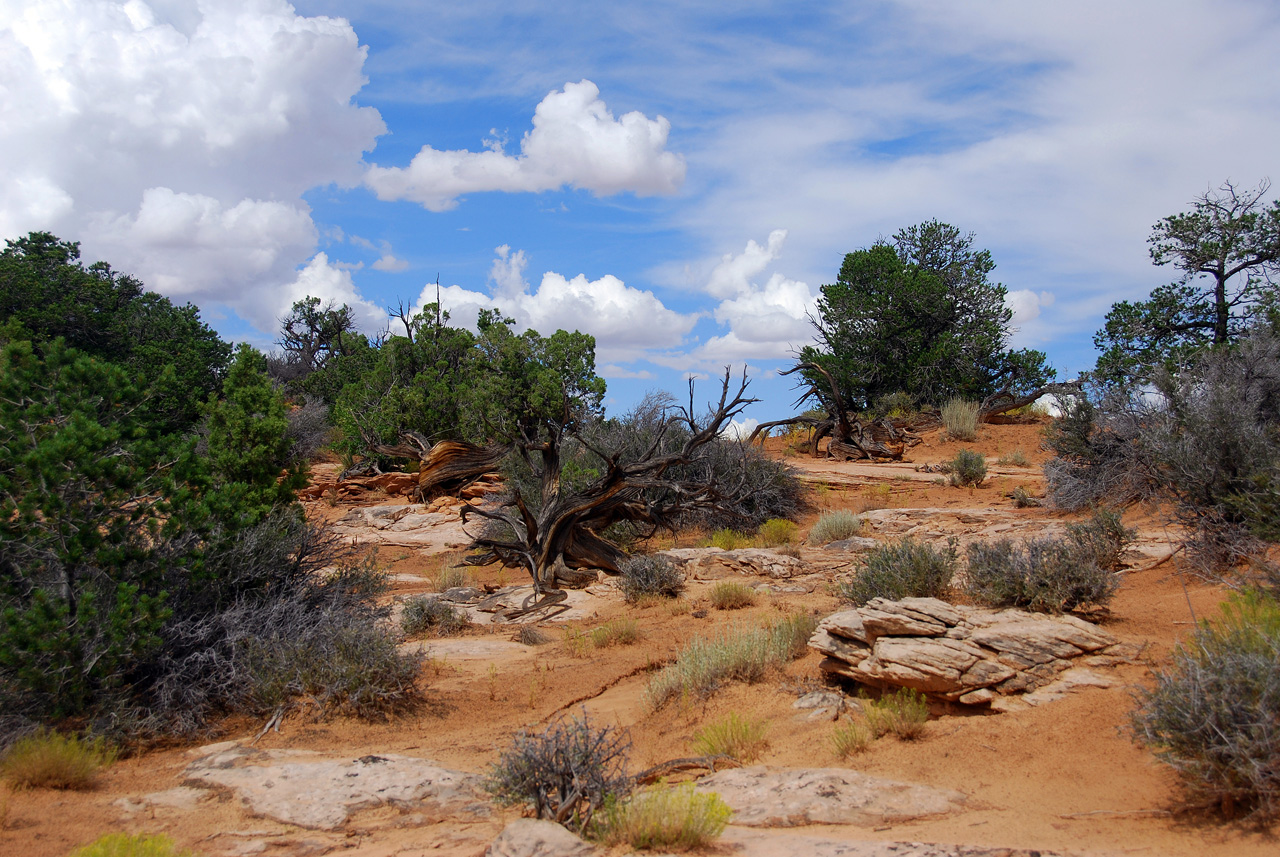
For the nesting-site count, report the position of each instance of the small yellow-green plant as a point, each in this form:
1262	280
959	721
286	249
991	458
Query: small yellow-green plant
902	713
732	595
729	540
735	737
54	761
777	531
850	737
960	419
137	845
616	632
667	817
577	643
1017	458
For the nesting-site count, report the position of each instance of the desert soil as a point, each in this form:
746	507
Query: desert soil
1065	776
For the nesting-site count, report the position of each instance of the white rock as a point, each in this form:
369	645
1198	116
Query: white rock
531	837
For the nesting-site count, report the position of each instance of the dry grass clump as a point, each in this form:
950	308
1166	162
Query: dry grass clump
425	614
676	818
834	526
902	713
649	577
850	737
777	531
452	577
734	736
1016	458
137	845
51	760
732	595
747	655
960	419
615	632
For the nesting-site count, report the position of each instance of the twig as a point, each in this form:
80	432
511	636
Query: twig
273	722
664	769
1155	812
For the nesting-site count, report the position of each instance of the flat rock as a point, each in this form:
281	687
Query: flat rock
579	605
403	525
321	794
532	837
759	843
469	649
789	797
182	797
717	563
855	544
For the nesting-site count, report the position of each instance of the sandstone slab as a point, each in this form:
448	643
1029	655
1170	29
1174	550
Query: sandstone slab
758	843
717	563
790	797
321	794
531	837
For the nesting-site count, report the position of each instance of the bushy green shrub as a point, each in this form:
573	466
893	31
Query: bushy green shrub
903	569
648	576
968	468
960	419
425	614
666	817
732	595
566	772
834	526
1103	538
1214	713
729	540
777	531
1048	575
135	845
51	760
735	736
747	655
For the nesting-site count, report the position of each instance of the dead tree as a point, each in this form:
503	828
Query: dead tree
560	544
446	466
884	438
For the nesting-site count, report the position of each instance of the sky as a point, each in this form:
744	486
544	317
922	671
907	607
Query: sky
676	178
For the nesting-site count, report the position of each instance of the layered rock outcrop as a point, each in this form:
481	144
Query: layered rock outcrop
969	655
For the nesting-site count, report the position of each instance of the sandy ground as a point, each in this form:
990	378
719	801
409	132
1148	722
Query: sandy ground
1065	776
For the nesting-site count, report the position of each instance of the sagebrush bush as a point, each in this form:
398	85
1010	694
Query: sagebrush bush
834	526
648	576
1214	713
735	736
902	569
1047	575
747	655
777	531
51	760
902	713
1103	538
425	614
666	817
732	595
135	845
968	468
566	772
960	419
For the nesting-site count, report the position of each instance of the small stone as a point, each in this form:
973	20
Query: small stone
820	699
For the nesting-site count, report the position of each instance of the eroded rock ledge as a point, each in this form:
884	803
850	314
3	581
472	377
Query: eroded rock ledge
969	655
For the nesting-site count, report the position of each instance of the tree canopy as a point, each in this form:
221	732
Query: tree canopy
1228	250
919	315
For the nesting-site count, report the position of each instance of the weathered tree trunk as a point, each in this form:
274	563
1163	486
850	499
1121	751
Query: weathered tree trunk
445	467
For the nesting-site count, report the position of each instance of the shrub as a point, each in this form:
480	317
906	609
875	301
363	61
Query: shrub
1214	714
53	761
850	737
137	845
1048	575
735	737
566	772
532	635
705	664
1023	499
666	817
1017	458
424	614
732	595
969	467
960	419
649	576
729	540
903	569
452	577
891	405
1103	538
834	526
903	713
777	531
616	632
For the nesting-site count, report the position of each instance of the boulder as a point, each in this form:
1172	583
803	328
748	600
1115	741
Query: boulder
531	837
965	654
790	797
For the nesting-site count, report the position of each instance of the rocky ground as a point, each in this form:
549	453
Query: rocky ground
1057	774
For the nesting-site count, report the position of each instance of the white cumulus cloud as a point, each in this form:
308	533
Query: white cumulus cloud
575	141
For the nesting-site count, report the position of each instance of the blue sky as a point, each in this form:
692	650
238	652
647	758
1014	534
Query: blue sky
677	178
